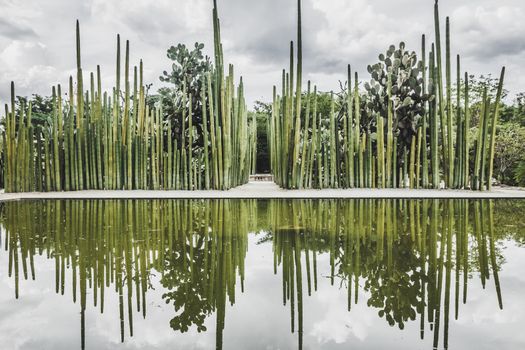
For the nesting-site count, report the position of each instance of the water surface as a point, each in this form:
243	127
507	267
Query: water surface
279	274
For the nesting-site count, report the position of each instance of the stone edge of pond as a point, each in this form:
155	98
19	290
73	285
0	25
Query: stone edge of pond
262	190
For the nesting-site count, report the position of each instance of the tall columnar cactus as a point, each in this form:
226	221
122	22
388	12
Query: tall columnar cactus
466	142
424	128
450	152
493	125
438	81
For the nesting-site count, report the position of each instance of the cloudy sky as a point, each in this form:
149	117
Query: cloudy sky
37	37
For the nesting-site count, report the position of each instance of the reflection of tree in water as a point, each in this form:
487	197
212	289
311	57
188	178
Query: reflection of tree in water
115	247
200	270
405	253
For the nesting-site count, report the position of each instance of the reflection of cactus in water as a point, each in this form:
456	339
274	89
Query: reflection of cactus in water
403	252
413	257
118	244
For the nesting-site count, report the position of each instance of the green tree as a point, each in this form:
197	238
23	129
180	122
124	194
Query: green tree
263	153
509	152
516	112
41	108
261	107
476	87
185	279
262	111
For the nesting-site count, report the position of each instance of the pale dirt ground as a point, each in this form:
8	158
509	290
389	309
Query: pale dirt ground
266	190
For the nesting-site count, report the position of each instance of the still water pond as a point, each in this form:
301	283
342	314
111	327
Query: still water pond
248	274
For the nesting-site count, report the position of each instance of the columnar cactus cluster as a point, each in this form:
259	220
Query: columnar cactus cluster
114	140
403	130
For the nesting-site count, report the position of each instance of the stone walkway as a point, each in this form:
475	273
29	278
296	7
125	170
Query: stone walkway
266	190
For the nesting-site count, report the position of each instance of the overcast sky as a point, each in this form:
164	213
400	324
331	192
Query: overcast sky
37	38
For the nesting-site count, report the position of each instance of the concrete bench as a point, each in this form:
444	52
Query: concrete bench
261	177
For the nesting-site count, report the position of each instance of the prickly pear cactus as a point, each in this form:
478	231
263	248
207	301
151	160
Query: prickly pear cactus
408	100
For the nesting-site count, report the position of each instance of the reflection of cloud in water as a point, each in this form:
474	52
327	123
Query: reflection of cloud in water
336	324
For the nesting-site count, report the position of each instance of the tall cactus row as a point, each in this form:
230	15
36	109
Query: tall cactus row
114	140
353	145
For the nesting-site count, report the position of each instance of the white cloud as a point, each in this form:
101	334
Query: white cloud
256	36
18	64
